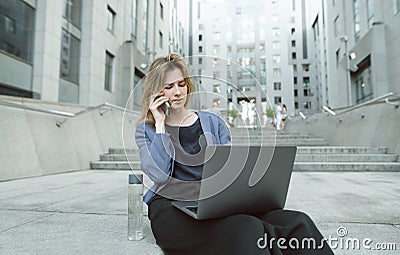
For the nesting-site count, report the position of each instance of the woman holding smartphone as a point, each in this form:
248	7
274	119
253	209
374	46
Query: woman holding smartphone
172	154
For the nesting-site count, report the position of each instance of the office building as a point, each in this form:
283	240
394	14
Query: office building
356	46
85	52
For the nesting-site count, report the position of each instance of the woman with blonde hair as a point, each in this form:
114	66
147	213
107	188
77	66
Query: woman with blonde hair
171	141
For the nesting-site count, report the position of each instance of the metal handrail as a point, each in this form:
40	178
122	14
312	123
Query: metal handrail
61	113
386	96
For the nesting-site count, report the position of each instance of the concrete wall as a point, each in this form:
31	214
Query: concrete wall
22	79
32	144
47	46
379	127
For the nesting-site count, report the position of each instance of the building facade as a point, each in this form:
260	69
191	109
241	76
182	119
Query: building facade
85	52
356	49
258	54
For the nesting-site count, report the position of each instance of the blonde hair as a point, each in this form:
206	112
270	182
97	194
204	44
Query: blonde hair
154	81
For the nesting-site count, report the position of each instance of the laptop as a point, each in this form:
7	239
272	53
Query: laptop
242	179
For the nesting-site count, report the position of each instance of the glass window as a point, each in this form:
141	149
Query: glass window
72	11
396	6
315	28
216	88
161	11
336	26
277	100
215	49
337	58
277	73
70	55
17	20
295	93
134	15
198	10
160	39
276	31
274	4
276	59
215	23
110	19
370	13
263	75
277	86
108	80
276	45
144	27
356	18
229	74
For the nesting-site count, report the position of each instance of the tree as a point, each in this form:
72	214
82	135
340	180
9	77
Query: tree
270	113
233	114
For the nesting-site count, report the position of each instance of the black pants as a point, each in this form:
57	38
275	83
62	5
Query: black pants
176	233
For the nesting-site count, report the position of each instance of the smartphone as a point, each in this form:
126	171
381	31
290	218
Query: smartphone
165	107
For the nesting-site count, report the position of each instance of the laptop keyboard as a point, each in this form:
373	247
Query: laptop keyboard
192	208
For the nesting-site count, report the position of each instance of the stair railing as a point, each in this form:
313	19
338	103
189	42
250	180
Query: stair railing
384	98
67	114
377	99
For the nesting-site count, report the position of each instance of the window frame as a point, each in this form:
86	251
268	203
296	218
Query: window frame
109	72
111	14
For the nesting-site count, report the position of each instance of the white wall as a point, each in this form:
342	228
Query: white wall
32	144
22	79
379	127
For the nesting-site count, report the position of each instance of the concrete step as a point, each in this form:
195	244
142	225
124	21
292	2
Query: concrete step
258	132
276	138
115	165
293	142
347	166
298	166
340	150
346	157
301	156
119	157
123	151
264	136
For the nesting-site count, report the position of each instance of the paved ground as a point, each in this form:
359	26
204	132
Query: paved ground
85	212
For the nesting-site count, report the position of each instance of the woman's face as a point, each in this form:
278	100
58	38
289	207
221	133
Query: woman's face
175	88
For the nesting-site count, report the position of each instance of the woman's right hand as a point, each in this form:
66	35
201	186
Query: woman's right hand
155	102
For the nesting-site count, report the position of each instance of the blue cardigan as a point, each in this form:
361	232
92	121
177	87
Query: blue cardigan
157	152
